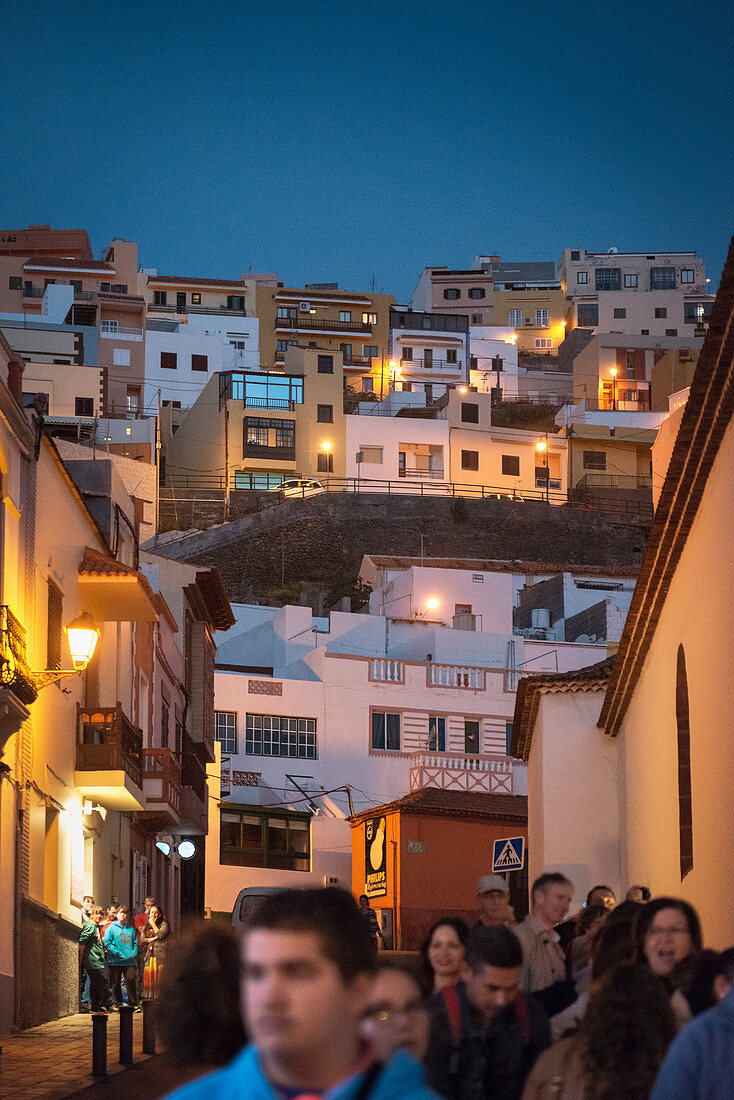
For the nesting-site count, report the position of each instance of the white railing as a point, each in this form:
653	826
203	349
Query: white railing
474	763
386	670
477	773
112	329
456	676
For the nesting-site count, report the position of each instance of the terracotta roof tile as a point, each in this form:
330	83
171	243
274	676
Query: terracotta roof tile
592	678
437	802
96	564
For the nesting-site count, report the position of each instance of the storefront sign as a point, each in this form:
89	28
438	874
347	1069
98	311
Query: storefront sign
375	858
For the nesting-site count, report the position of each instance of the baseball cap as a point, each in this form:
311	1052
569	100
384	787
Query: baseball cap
492	882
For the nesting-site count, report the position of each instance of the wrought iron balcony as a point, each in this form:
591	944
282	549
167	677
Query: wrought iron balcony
15	672
108	741
319	324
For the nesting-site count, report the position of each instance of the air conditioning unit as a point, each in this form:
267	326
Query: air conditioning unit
331	880
305	307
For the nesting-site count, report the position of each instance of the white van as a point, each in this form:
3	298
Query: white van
247	899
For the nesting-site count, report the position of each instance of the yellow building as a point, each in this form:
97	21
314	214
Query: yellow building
535	312
260	427
610	465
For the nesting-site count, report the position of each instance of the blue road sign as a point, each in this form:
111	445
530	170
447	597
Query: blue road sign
509	854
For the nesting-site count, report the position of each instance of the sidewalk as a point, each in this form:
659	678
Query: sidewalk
54	1060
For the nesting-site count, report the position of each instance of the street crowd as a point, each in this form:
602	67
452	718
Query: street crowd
618	1002
120	960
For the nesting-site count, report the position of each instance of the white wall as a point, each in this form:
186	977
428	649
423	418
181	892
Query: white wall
203	335
487	341
388	432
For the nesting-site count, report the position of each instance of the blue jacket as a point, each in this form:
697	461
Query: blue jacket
121	944
400	1079
700	1062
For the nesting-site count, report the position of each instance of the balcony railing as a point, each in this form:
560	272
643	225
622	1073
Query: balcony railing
430	364
456	676
162	766
387	671
33	292
357	362
111	329
85	295
310	324
108	741
427	475
615	481
183	310
467	772
14	671
259	450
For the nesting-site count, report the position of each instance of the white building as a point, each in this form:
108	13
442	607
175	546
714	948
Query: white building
650	294
488	344
397	448
181	354
430	350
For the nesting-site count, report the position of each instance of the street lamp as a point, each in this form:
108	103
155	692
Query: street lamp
613	373
83	635
542	448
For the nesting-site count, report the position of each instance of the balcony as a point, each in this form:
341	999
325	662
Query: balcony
109	759
361	363
15	672
420	475
462	772
318	324
33	292
85	295
194	797
430	364
110	330
456	676
181	311
276	454
162	789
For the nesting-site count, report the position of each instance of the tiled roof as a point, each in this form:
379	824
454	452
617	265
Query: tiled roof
440	803
189	280
592	678
96	564
209	582
489	565
706	418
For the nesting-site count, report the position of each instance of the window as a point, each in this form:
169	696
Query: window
515	318
250	837
368	385
508	737
200	362
119	288
608	278
325	463
165	718
281	345
273	735
287	313
671	332
369	318
428	357
325	364
644	332
196	299
15	282
470	460
235	301
543	342
110	326
660	311
630	281
595	460
160	297
264	436
619	314
469	412
510	465
325	414
385	731
53	633
541	318
588	315
477	292
575	255
132	397
373	455
696	313
685	800
662	278
83	406
225	730
451	293
121	357
687	275
436	734
407	354
451	355
262	390
345	314
471	736
104	287
168	360
582	276
369	351
477	318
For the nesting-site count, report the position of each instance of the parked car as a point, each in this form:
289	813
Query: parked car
247	899
299	487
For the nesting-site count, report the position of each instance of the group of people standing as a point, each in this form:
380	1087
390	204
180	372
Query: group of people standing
120	960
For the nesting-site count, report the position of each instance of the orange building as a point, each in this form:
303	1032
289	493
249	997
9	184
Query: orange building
429	850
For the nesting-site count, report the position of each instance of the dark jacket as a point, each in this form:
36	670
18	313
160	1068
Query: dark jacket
700	1062
93	957
486	1062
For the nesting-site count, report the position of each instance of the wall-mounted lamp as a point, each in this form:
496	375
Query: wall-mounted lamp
88	807
83	635
185	849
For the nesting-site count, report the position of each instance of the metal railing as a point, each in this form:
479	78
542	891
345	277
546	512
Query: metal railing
183	310
430	475
296	324
33	292
14	671
111	328
431	364
614	481
108	741
358	362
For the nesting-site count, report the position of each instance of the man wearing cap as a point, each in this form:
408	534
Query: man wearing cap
493	898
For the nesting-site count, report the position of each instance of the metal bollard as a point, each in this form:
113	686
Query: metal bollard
126	1035
99	1044
150	1010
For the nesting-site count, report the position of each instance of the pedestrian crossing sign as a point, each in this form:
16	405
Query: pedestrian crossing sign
509	854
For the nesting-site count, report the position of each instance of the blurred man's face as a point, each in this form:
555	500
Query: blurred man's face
494	907
552	903
491	989
603	897
294	999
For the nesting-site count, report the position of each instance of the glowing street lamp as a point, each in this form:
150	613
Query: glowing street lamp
613	373
542	448
83	635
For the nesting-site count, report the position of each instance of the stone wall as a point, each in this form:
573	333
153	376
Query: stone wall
49	966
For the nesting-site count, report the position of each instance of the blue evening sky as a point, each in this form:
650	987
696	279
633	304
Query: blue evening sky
354	142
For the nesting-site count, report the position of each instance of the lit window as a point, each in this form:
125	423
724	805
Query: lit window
196	299
630	281
369	318
582	276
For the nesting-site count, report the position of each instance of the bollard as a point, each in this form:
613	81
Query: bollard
149	1022
126	1035
99	1044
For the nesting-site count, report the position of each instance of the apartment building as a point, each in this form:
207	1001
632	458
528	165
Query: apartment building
647	294
469	293
263	426
353	324
430	351
61	366
409	452
529	299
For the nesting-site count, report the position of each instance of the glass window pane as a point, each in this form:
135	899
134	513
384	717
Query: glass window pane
277	835
378	730
251	832
393	731
298	837
230	830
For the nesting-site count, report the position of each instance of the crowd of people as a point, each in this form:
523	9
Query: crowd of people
120	961
618	1002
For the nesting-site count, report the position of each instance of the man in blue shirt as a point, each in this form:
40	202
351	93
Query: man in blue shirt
700	1062
308	966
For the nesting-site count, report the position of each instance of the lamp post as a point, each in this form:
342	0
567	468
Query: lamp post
542	448
83	635
613	373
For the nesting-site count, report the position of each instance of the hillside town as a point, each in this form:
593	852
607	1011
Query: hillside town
305	587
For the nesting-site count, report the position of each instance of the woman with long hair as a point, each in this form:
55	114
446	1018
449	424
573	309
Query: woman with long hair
620	1044
668	930
442	953
153	937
